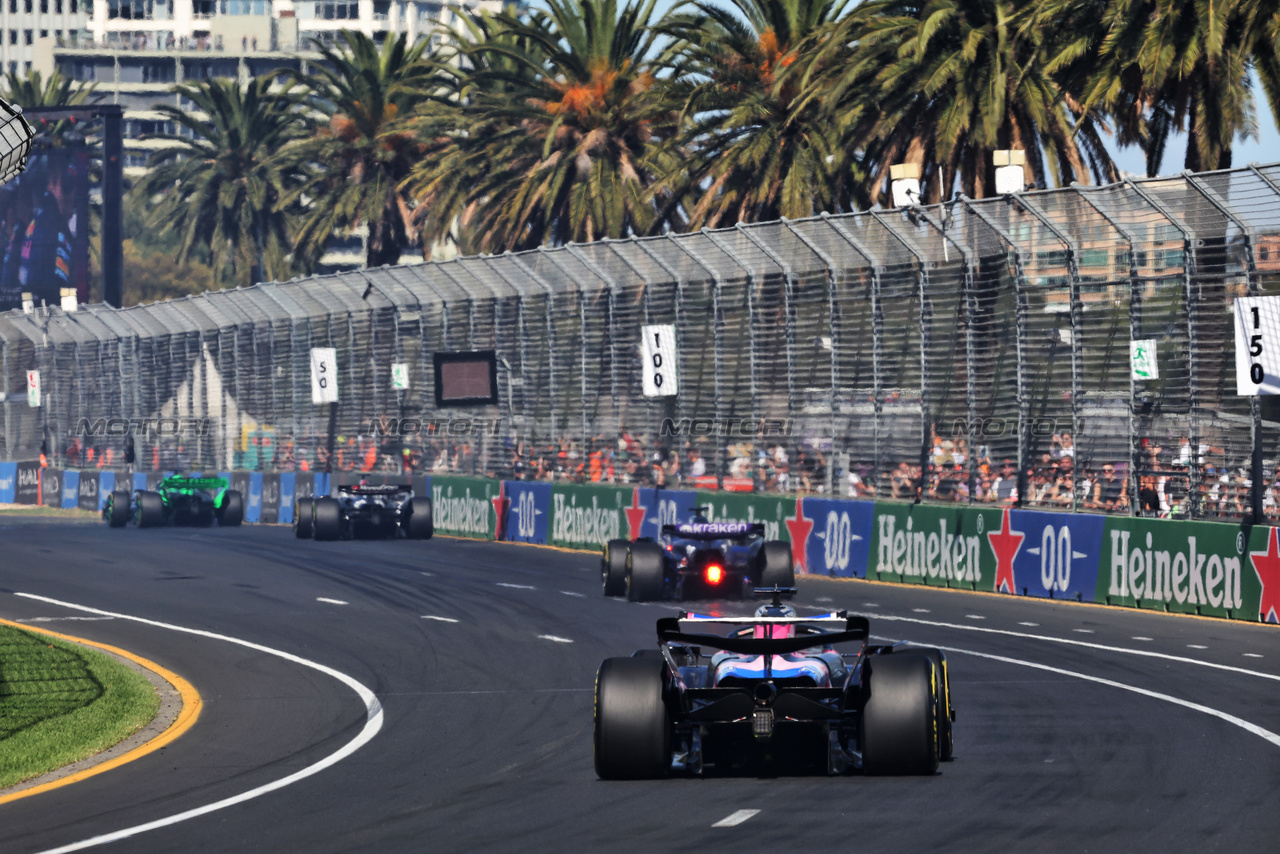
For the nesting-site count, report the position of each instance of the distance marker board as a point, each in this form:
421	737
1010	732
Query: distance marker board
1257	345
658	360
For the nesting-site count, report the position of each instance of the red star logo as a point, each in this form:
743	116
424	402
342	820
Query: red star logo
1005	543
1266	565
635	515
799	529
500	505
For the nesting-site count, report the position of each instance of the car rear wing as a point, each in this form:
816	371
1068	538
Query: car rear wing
375	489
193	483
845	630
714	530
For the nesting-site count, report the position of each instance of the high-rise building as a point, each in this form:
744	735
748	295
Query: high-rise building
135	50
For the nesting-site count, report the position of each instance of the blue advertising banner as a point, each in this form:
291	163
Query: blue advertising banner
528	510
8	482
320	485
253	499
664	507
88	490
70	490
139	481
1058	554
106	485
288	486
833	535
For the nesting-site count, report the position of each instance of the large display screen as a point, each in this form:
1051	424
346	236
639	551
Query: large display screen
44	234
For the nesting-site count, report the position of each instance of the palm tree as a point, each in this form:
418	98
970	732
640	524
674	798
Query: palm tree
1161	66
559	123
32	90
944	83
761	152
223	187
361	154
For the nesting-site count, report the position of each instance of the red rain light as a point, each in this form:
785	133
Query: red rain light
714	574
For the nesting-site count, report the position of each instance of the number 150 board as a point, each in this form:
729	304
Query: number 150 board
1257	345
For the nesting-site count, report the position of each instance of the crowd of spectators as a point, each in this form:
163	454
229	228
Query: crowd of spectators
1055	479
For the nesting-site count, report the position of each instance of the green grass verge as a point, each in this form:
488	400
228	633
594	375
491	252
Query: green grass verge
52	514
61	702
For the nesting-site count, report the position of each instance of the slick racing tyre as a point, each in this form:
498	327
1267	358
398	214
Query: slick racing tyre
613	567
944	713
328	519
632	727
420	524
899	733
644	579
150	509
117	509
304	518
231	513
775	565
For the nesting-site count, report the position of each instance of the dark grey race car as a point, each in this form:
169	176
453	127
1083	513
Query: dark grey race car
362	511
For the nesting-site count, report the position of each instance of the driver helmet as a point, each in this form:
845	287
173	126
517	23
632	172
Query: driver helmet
699	519
775	631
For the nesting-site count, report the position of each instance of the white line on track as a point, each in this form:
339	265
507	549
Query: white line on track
736	818
1069	641
1141	638
515	586
554	638
921	610
871	604
1252	655
574	595
331	601
1196	646
372	724
825	599
1084	631
440	619
1231	719
59	619
1033	625
974	617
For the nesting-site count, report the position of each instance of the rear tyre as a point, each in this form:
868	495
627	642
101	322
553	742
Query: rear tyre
632	728
150	509
231	513
899	731
117	510
421	524
328	519
776	570
644	579
613	567
304	518
943	711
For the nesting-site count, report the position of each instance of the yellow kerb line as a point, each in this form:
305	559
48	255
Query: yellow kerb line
191	705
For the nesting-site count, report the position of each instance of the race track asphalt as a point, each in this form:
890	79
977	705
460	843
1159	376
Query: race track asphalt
486	740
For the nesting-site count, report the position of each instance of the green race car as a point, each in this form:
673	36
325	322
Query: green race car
197	501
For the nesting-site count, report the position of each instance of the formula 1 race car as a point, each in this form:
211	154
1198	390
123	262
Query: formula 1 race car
177	501
365	512
774	692
696	558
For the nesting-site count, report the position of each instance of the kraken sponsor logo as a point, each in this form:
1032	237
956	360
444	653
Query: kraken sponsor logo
460	513
920	553
594	524
1187	577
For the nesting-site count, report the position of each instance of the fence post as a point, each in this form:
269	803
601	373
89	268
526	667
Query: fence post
717	321
833	396
1189	244
1253	289
1077	310
877	347
1021	310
